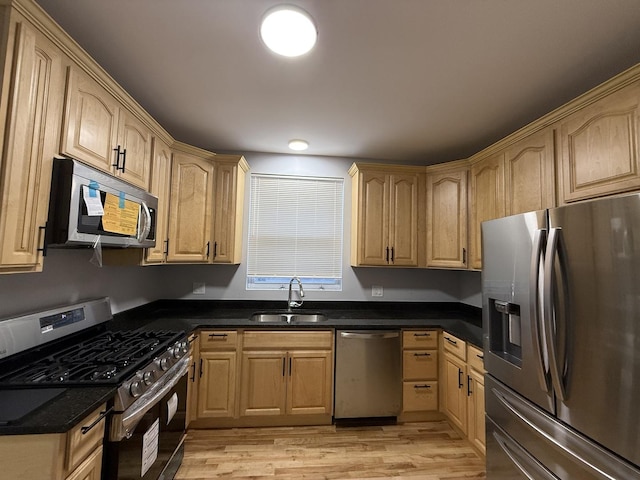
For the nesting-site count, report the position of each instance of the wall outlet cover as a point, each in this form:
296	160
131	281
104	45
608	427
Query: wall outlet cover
376	290
198	288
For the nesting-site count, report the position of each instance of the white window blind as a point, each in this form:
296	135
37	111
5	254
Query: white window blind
295	229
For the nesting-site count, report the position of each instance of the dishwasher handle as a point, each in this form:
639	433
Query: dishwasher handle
369	335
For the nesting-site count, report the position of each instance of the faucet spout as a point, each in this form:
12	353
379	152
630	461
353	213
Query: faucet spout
293	303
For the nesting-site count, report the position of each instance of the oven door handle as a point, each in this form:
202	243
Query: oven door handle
123	424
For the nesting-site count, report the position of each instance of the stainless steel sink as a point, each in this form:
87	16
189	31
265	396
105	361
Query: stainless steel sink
288	317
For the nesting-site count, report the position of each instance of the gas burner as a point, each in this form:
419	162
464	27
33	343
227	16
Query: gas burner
108	358
104	372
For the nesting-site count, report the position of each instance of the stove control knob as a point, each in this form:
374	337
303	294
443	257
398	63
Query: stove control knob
164	363
148	377
135	389
179	350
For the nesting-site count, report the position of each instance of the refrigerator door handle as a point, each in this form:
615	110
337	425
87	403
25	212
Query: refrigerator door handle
554	327
528	466
536	299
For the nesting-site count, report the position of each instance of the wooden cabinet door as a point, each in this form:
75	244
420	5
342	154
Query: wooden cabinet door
263	390
475	410
403	220
310	383
487	201
224	216
135	139
160	186
190	213
217	391
455	395
193	379
600	148
529	174
90	129
90	469
447	219
32	136
373	224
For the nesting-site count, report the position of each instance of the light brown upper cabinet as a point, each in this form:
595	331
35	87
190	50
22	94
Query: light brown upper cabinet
529	173
384	214
486	200
447	215
160	186
600	149
228	208
99	131
191	209
32	97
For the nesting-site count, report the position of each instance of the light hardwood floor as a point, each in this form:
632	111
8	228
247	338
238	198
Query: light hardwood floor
428	451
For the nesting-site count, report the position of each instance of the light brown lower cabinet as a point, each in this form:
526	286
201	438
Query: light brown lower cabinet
282	382
217	361
290	373
419	374
258	378
462	380
69	456
476	409
455	394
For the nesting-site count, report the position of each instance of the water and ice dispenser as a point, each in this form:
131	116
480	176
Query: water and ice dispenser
506	332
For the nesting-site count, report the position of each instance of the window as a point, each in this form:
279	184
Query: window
295	229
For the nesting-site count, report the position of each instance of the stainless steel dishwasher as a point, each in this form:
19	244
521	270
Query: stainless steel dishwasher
368	374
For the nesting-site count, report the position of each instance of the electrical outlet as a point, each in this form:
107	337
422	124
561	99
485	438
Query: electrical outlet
198	288
376	290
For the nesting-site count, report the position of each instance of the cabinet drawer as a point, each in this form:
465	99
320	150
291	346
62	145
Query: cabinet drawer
420	364
420	339
419	396
454	345
218	339
80	445
283	339
475	358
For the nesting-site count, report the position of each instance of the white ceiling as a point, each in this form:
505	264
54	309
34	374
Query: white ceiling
417	81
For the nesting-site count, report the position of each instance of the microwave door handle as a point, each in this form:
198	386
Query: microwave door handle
144	231
537	260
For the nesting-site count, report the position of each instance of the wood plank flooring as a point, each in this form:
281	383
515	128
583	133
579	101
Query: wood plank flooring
427	451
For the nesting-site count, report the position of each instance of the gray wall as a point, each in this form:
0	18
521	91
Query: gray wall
69	275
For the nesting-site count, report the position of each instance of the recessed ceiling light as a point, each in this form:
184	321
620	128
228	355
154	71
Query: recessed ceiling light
298	145
288	31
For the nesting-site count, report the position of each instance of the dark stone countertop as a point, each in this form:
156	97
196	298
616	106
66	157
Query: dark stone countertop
68	409
62	413
461	320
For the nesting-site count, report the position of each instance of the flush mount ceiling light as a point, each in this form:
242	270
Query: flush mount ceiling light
298	145
288	31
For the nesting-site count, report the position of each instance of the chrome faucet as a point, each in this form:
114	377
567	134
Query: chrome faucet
292	303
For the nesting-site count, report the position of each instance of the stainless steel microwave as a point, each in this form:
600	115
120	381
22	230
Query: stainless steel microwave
87	206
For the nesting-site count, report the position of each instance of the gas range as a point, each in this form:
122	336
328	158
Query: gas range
70	347
132	360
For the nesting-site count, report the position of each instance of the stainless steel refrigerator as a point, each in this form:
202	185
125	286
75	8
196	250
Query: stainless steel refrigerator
561	313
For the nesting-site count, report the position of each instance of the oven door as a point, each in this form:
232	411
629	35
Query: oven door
153	449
